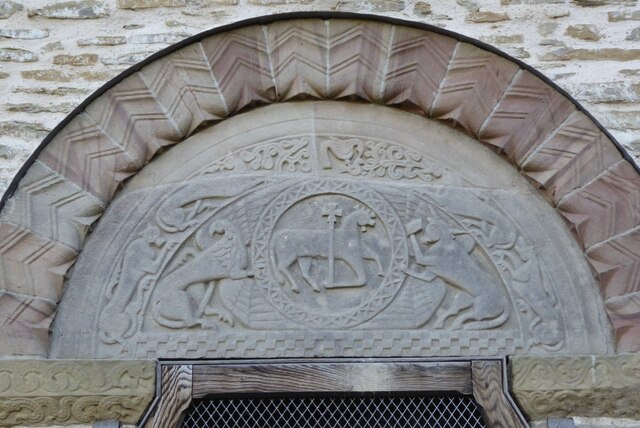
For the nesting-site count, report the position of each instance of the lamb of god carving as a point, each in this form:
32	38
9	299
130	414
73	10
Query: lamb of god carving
328	254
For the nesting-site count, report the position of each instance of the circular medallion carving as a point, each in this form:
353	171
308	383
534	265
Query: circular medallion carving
329	253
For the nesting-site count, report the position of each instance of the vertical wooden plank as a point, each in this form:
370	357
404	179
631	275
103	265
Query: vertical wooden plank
488	392
177	383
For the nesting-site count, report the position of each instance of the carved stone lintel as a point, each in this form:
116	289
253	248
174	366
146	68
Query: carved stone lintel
590	386
54	392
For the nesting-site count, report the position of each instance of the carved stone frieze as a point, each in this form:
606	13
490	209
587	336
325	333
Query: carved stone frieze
577	386
312	236
62	392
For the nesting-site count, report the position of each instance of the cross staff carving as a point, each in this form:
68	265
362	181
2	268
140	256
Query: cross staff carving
332	212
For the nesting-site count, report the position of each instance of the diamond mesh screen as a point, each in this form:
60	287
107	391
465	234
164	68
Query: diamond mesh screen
335	412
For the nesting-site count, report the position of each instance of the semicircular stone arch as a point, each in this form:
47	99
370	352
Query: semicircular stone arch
546	138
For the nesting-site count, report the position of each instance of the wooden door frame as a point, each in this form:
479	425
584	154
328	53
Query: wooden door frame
179	382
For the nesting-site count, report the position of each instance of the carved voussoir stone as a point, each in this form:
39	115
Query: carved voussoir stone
606	207
572	156
473	85
603	386
63	392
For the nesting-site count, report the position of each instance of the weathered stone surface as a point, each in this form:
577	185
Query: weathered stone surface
376	5
67	76
279	2
17	55
76	60
634	35
24	34
23	130
630	71
547	28
503	38
469	5
130	58
158	38
595	3
487	17
147	4
584	32
7	152
40	108
621	119
602	54
581	385
262	232
631	15
57	91
8	8
102	41
81	9
508	2
4	75
422	8
614	92
54	46
74	392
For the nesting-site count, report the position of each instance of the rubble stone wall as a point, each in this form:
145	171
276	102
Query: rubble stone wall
53	54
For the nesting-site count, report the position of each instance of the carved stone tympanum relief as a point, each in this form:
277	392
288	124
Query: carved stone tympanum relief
328	229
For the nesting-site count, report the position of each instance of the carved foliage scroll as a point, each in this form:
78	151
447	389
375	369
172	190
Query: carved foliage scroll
67	392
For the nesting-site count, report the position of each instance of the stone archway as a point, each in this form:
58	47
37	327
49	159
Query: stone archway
338	66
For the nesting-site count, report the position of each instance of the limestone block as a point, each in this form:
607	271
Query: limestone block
487	17
102	41
602	54
17	55
24	34
530	99
80	9
605	207
299	71
555	387
572	156
473	85
417	64
76	60
64	392
8	8
240	64
587	32
149	4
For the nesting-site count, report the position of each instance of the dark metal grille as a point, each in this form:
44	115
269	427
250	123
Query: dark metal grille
335	412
